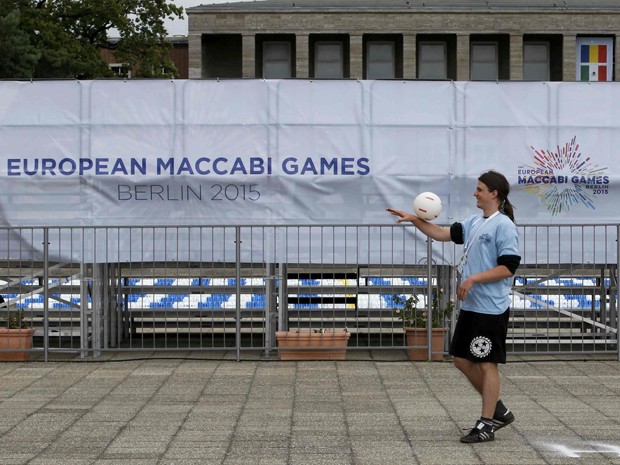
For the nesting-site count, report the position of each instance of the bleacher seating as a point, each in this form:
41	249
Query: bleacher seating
361	299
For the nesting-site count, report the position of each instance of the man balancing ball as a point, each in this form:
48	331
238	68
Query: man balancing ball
490	260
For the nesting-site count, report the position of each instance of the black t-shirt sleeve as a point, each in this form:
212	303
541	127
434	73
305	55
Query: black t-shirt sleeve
456	233
510	261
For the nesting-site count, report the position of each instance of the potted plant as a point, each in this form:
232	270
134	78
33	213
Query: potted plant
416	324
16	337
312	344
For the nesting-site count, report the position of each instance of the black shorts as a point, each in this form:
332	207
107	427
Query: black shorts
480	337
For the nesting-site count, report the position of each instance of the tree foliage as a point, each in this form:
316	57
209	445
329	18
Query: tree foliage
18	56
65	38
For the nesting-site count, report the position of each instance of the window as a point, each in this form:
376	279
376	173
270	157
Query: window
328	56
275	56
222	56
276	60
328	60
380	60
542	57
436	56
595	59
484	63
489	58
382	56
120	70
432	60
536	63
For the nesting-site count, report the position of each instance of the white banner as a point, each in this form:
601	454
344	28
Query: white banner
113	153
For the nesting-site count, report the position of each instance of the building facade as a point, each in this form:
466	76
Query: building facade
547	40
178	55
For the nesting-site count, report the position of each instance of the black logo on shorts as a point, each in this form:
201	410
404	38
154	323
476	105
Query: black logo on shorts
480	346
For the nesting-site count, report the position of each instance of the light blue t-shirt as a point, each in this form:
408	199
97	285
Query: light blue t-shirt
497	237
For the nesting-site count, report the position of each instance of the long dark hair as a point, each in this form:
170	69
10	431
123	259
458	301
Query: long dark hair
497	182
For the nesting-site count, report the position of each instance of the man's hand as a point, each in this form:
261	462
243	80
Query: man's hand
402	215
433	231
488	276
464	288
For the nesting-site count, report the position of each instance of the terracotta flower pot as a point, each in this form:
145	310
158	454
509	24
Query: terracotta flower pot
419	337
297	346
15	339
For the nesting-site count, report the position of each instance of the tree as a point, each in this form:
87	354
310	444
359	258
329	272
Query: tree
64	38
19	56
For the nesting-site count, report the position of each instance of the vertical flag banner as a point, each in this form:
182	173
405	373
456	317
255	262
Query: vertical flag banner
594	59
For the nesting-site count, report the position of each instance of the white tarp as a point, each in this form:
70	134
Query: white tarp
301	152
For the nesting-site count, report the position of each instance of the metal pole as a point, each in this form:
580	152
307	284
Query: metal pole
114	301
83	310
97	309
238	290
105	290
429	297
282	298
270	307
46	305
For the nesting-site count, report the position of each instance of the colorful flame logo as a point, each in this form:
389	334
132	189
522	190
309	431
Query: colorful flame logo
566	168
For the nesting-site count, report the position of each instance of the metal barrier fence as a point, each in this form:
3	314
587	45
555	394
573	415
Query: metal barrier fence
230	288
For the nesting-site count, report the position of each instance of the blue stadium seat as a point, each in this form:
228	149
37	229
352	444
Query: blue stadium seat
257	301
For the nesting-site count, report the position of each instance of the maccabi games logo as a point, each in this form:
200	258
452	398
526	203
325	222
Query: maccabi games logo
564	178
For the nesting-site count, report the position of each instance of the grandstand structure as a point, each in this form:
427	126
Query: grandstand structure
319	277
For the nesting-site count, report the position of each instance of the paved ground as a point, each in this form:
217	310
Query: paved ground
174	410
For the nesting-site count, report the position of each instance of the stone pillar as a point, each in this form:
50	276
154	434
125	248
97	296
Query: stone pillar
462	57
194	56
302	50
569	57
409	56
248	56
516	57
356	57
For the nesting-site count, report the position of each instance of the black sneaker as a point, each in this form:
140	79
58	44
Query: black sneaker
479	433
499	421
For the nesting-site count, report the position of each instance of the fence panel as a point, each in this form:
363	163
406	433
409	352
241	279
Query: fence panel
230	288
565	293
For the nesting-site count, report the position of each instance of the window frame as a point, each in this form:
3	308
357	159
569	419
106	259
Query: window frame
317	45
476	43
547	63
421	45
120	70
265	62
591	39
392	60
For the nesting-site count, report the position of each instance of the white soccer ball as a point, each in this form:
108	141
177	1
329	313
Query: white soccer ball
427	206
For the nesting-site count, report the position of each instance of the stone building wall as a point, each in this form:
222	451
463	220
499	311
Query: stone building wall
410	23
